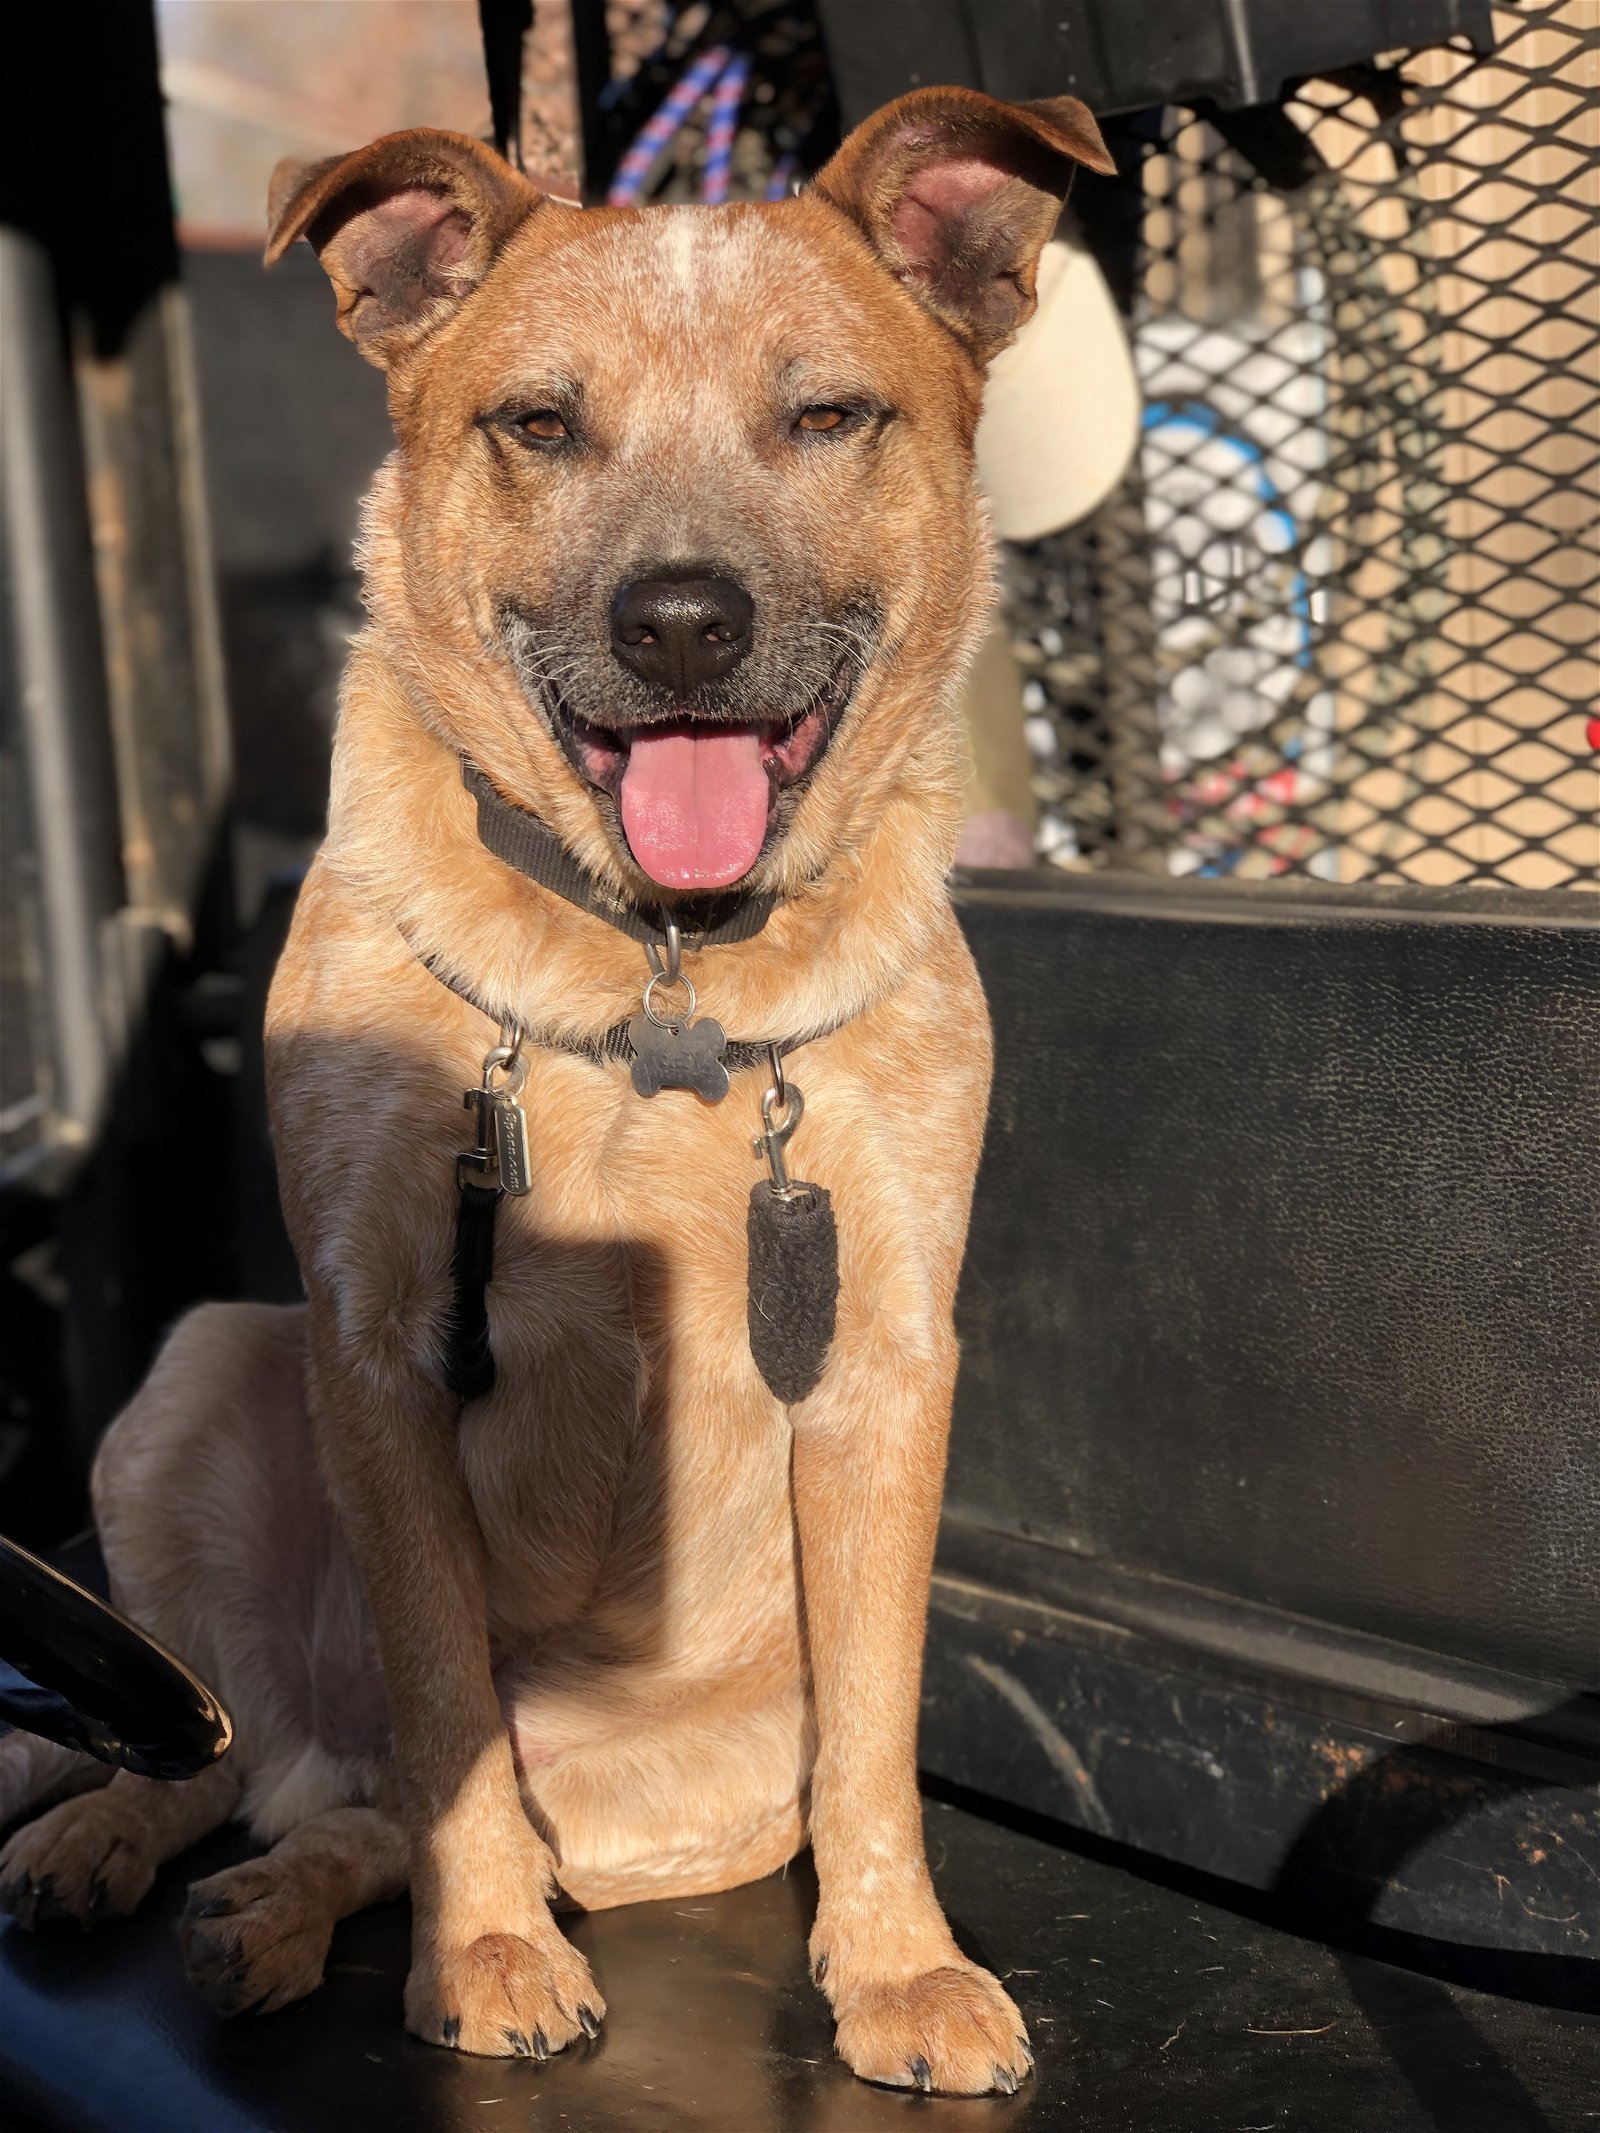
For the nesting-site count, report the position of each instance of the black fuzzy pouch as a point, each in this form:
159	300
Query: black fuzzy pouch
794	1287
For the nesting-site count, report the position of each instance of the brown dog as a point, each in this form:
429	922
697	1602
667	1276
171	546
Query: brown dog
680	546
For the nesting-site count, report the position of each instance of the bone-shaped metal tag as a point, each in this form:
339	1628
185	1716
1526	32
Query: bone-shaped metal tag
679	1055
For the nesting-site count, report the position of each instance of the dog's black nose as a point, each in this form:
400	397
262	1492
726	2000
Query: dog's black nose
681	632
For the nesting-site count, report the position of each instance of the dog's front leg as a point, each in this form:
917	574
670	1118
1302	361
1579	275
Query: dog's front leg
490	1970
869	1455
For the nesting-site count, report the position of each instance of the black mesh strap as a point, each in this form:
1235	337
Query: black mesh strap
740	1055
524	842
612	1047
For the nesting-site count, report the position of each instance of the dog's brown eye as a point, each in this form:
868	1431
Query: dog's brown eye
820	418
545	424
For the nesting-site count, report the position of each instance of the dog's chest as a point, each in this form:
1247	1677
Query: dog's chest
644	1196
629	1455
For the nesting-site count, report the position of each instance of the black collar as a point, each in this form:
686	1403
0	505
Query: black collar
524	842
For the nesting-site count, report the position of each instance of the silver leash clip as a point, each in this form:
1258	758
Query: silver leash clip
783	1097
498	1157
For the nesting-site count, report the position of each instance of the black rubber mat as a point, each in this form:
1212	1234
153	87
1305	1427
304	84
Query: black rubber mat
1151	2013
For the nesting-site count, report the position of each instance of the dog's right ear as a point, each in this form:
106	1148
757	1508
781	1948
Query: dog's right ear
405	229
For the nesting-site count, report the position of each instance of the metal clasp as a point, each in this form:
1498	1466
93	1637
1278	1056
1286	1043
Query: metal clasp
784	1097
481	1164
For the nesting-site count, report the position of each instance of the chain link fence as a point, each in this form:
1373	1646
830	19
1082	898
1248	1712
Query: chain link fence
1340	620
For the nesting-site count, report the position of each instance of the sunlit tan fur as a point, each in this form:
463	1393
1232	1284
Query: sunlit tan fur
642	1629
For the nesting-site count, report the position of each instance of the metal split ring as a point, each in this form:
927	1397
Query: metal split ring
669	1021
511	1060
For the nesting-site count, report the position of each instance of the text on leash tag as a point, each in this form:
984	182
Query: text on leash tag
511	1144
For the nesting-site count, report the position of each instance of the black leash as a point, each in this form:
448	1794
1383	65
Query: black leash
469	1366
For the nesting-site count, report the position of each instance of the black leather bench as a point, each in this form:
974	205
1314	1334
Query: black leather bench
1150	2010
1273	1518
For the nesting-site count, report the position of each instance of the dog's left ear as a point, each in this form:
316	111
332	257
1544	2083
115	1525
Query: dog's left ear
957	193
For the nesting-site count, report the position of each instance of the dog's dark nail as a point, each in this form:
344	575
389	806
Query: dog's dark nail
29	1897
209	1906
821	1970
922	2074
519	2043
589	2023
1025	2048
450	2030
541	2045
97	1897
1005	2081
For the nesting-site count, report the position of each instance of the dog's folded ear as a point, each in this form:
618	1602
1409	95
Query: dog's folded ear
405	229
958	193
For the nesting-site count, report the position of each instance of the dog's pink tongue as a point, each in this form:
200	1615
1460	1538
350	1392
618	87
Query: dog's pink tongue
694	805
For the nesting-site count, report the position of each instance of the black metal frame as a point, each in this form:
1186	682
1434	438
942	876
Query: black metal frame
1121	55
114	749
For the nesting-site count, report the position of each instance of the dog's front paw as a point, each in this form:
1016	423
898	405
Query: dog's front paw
84	1861
253	1941
952	2031
504	1997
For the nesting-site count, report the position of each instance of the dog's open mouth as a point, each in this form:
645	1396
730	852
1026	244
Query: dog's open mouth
698	795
